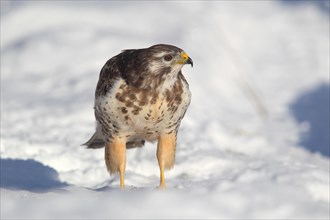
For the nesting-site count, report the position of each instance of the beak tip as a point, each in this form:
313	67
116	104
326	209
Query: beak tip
190	61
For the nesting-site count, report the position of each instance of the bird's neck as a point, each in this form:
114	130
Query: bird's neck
163	82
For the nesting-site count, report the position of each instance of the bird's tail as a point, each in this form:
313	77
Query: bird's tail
96	141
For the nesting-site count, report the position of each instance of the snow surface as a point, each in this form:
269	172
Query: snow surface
234	158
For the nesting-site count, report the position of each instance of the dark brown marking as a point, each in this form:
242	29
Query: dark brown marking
168	95
159	120
154	98
124	110
143	99
132	97
129	104
136	111
161	104
120	97
178	99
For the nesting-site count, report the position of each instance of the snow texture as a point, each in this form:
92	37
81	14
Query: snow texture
236	158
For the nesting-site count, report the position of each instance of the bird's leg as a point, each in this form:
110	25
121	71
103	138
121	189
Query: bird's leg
165	154
115	158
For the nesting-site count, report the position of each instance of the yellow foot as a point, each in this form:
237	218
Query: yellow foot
122	184
162	184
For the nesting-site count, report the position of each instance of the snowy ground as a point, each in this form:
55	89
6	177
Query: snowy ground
232	160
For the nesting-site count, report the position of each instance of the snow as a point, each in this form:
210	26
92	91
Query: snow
237	157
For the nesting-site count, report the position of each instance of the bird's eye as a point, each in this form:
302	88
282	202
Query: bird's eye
168	57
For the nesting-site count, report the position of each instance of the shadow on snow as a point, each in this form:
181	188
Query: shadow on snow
28	175
313	107
322	5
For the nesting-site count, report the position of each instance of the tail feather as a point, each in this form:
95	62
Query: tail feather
96	141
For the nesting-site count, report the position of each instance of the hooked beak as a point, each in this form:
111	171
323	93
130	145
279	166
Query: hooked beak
189	61
186	59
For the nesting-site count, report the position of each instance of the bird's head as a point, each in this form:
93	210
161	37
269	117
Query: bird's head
152	66
166	59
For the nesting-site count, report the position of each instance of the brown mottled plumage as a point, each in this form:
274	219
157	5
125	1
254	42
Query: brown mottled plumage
141	96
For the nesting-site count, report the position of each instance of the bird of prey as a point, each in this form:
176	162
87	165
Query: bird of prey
141	96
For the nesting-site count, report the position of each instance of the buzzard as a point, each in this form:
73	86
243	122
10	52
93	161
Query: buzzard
141	96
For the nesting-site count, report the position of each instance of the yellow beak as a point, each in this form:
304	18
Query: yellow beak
185	59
